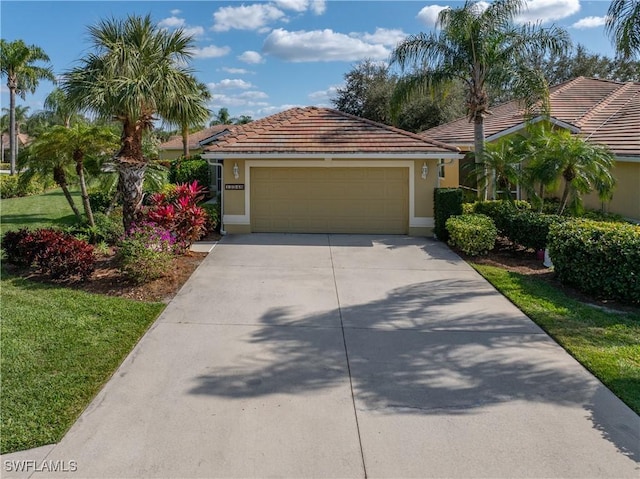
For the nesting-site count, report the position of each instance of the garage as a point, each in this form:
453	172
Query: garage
330	200
318	170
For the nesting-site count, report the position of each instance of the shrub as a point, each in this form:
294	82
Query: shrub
180	213
188	170
99	201
500	211
600	259
146	253
11	187
531	229
54	252
447	202
473	234
213	216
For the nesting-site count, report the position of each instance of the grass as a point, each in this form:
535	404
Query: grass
59	347
607	343
37	211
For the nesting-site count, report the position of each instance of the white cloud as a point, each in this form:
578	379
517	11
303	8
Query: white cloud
384	36
320	45
548	10
251	57
429	14
324	96
245	17
194	31
171	22
230	84
589	22
211	51
253	95
175	12
237	71
295	5
270	110
219	100
318	6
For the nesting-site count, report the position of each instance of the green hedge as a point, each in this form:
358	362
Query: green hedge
500	211
530	229
473	234
10	187
447	202
188	170
600	259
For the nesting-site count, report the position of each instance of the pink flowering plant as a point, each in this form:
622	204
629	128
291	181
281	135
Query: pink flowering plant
146	252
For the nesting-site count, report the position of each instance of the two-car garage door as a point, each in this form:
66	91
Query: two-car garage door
330	200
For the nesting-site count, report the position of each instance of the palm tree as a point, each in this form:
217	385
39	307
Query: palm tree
135	73
17	64
60	107
188	119
482	48
77	142
222	118
623	26
503	160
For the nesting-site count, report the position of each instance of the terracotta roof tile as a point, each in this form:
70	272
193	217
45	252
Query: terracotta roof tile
175	142
605	111
322	130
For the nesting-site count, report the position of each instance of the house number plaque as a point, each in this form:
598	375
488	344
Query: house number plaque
234	186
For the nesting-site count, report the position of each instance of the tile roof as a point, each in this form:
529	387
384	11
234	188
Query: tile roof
322	130
175	142
23	139
605	112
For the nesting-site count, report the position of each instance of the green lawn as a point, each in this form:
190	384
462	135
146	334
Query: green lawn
59	347
605	342
38	211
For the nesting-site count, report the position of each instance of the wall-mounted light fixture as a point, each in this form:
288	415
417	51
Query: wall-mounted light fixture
236	171
425	170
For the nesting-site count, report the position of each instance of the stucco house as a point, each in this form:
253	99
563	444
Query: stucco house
602	111
318	170
172	148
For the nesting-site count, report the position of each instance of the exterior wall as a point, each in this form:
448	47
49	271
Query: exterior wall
451	175
175	154
626	196
236	202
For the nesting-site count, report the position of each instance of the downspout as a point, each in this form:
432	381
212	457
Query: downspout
221	166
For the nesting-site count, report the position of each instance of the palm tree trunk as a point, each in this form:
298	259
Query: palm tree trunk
131	180
478	139
78	157
12	127
565	197
61	180
541	196
185	141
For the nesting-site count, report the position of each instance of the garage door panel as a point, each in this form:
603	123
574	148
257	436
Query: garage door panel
329	200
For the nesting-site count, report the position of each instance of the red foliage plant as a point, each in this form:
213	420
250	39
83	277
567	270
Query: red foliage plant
179	213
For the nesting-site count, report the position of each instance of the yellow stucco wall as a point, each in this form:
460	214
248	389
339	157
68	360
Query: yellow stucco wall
174	154
234	199
451	174
626	196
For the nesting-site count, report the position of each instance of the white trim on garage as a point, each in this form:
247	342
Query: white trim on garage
414	221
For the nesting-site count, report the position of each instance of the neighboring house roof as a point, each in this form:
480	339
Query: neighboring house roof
315	130
23	139
602	111
175	142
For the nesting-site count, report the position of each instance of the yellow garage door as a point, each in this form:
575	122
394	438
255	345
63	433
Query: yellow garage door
330	200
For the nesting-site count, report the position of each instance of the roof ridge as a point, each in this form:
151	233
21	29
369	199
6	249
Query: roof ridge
414	136
614	95
604	103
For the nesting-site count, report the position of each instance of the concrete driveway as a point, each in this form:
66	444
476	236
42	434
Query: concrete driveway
348	356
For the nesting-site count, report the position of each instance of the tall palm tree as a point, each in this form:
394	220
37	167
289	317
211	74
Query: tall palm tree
623	25
135	73
189	119
61	108
76	143
482	48
17	63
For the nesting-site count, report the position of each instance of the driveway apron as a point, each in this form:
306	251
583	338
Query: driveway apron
348	356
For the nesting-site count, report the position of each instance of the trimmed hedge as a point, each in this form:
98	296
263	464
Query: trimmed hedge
500	211
447	202
473	234
10	187
530	229
600	259
188	170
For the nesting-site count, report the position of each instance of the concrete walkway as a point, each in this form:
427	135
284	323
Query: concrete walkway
347	356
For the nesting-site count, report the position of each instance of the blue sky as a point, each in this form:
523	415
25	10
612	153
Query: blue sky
261	57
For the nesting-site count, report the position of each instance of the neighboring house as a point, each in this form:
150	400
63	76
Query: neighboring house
23	140
602	111
318	170
172	149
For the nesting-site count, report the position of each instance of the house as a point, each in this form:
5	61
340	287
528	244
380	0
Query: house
173	148
23	140
318	170
602	111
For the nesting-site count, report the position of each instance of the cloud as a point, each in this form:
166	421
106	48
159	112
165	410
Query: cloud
230	84
193	31
219	100
324	96
318	7
320	45
253	95
237	71
245	17
251	57
548	10
211	51
384	36
429	14
270	110
589	22
175	12
171	22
